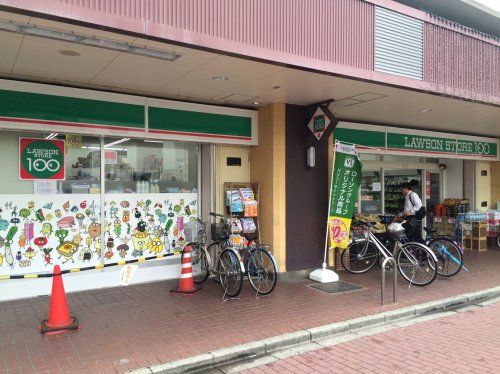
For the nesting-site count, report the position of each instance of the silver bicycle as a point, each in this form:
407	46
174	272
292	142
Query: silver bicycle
415	261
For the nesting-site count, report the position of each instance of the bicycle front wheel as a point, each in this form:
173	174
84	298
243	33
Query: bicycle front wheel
358	258
416	264
449	255
199	263
230	274
262	271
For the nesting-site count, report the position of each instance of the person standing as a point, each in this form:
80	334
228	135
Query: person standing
413	203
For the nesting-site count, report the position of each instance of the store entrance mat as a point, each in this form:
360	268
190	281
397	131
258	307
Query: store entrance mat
336	287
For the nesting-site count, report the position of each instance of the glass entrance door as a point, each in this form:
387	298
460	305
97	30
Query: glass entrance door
371	192
432	193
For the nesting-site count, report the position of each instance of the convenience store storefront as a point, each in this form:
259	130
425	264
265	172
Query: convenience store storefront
91	178
434	162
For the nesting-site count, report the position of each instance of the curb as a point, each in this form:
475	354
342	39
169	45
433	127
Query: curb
267	346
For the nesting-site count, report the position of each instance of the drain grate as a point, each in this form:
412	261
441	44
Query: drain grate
336	287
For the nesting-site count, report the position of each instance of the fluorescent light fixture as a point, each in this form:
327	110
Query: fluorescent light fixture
93	41
117	46
49	33
153	141
117	142
220	78
424	110
154	53
9	26
51	136
107	149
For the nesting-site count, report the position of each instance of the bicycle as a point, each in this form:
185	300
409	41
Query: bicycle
228	269
448	252
415	262
257	263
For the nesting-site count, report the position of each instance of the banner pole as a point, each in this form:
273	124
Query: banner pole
325	275
329	204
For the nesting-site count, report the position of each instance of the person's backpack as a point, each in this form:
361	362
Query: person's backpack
421	213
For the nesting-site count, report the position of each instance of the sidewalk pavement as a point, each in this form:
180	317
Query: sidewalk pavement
140	326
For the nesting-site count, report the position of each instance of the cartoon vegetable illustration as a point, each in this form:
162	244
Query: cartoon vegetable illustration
169	224
40	242
177	208
83	204
22	241
1	259
39	215
4	224
8	241
80	217
187	209
155	245
46	229
124	204
94	230
117	227
66	206
61	234
24	213
29	253
122	250
67	250
46	256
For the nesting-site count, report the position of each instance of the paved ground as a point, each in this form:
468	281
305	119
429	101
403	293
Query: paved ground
136	326
464	342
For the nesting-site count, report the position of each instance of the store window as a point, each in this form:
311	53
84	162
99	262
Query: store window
48	221
151	198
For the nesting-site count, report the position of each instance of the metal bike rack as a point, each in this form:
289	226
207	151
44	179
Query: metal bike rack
387	260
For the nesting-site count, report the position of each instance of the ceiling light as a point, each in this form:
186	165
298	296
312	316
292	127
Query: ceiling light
424	110
117	46
48	33
154	53
220	78
69	52
51	136
117	142
153	141
276	87
256	103
114	45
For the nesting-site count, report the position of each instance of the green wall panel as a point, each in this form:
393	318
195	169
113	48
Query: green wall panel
69	109
197	122
360	137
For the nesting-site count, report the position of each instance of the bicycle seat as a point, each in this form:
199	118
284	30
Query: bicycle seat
429	230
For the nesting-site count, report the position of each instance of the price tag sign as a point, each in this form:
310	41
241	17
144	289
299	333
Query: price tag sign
41	159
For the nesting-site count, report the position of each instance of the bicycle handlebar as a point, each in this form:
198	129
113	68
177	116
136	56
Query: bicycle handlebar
215	215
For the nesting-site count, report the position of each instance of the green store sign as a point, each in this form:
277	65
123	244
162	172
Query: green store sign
431	144
386	140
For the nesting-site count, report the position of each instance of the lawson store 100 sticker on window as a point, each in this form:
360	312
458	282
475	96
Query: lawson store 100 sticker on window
41	159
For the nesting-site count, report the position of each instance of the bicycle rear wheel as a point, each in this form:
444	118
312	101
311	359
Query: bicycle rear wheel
357	259
262	271
449	255
230	274
199	263
416	264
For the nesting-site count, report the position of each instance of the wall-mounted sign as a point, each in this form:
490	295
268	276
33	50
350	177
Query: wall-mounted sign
381	139
41	159
110	157
74	141
318	123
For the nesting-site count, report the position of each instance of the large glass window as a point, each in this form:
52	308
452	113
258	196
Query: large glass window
150	166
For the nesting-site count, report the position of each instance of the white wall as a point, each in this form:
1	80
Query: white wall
453	178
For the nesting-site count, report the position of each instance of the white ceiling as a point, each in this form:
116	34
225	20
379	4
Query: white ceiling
190	78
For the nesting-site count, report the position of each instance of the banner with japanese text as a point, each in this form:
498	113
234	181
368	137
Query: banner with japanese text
346	178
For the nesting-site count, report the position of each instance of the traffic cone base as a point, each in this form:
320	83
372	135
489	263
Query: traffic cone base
45	328
191	292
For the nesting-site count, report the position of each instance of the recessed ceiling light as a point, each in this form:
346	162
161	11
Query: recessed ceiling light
220	78
256	103
276	87
69	52
424	110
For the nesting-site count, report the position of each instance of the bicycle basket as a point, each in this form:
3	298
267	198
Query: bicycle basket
220	231
395	231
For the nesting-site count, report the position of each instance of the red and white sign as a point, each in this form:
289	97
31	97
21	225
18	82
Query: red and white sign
41	159
319	123
110	157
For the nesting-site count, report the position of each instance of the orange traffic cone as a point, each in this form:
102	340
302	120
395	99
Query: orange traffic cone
186	283
59	318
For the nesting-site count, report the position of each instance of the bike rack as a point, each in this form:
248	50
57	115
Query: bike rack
387	260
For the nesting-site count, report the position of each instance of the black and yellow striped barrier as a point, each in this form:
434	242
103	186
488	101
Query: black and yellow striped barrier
76	270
